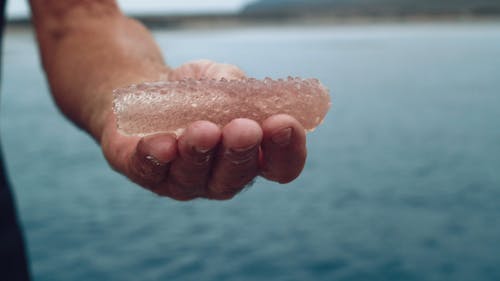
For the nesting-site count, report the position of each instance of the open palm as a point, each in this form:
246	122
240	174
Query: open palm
207	161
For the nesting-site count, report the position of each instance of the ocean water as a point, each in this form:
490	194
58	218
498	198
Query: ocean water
402	180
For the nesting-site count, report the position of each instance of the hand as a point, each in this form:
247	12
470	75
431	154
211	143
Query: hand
208	161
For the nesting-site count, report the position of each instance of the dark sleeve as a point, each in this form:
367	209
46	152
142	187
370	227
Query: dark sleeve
13	263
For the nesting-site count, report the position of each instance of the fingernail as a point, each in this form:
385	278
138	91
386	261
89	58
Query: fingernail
282	137
240	155
243	149
154	160
201	155
202	150
196	153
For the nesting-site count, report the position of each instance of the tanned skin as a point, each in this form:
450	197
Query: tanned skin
88	48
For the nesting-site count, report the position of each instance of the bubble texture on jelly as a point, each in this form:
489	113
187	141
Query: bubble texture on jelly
147	108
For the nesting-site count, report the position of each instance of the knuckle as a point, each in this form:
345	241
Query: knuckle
226	192
160	192
279	176
184	192
144	172
167	191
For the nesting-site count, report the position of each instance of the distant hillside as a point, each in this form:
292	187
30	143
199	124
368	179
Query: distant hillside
372	7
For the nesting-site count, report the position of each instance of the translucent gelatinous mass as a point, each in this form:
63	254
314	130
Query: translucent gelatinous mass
148	108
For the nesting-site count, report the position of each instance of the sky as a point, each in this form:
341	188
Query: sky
18	8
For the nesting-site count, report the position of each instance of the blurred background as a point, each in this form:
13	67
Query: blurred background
402	180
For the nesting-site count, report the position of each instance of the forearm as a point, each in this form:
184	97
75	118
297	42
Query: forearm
88	48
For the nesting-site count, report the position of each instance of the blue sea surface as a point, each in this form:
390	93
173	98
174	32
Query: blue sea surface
402	180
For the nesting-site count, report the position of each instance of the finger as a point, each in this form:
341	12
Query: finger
149	164
189	173
237	160
283	148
